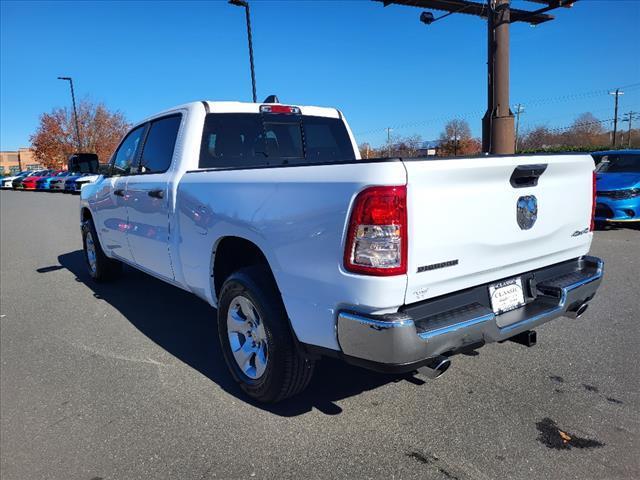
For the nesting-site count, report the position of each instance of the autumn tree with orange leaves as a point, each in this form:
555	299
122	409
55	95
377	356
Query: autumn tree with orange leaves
456	139
100	132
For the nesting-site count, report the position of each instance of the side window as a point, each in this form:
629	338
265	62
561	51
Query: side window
126	154
157	151
327	140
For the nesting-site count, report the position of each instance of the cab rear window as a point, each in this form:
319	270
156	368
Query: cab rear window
241	140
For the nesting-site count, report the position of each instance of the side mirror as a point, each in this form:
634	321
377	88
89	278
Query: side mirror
104	169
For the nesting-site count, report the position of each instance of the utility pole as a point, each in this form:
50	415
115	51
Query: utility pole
75	112
389	129
498	125
245	4
455	139
519	110
617	93
630	116
498	121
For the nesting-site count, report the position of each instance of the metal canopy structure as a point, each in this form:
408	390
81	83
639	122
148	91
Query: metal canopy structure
498	122
470	8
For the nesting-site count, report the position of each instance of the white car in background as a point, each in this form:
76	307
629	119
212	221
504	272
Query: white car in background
8	181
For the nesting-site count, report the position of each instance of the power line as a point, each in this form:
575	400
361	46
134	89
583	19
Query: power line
631	115
529	103
581	124
580	95
635	115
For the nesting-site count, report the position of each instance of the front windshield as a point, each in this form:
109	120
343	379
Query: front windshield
619	163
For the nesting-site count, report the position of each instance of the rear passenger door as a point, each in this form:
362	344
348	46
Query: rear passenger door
149	197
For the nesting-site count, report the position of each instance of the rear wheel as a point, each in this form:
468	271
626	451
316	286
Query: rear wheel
100	267
257	342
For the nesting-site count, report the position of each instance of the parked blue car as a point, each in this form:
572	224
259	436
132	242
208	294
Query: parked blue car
44	183
70	182
618	186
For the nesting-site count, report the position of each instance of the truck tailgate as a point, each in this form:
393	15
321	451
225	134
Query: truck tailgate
463	218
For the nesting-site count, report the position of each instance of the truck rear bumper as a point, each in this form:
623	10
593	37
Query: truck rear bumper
419	332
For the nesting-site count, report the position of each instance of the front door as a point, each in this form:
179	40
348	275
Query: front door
110	204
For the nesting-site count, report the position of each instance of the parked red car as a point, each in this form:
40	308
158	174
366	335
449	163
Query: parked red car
29	183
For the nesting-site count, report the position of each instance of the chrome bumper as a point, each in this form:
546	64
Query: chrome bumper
401	339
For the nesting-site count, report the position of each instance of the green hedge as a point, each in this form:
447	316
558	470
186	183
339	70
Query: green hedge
567	148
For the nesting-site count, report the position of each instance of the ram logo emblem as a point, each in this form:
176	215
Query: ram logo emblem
527	211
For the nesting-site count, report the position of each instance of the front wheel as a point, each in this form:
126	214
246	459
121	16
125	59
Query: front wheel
101	267
257	342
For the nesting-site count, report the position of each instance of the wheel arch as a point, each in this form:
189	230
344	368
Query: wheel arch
85	214
231	253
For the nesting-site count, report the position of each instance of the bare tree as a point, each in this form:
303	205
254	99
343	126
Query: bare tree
585	130
366	151
406	146
537	138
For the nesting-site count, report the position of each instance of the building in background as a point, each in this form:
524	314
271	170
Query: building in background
12	162
429	148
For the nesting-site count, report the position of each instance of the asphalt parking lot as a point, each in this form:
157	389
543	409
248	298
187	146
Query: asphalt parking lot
126	381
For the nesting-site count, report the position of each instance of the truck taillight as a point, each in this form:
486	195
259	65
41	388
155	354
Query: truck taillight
593	203
377	235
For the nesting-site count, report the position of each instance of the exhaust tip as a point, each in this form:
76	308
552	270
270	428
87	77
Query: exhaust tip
435	368
582	309
578	311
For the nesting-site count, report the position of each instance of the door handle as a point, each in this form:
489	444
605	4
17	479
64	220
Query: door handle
156	193
119	192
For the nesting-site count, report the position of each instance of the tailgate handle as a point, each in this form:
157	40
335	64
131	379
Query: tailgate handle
527	175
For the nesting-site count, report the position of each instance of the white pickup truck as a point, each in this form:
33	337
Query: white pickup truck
267	212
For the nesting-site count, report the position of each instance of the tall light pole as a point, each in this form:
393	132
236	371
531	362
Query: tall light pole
245	4
75	112
519	110
617	93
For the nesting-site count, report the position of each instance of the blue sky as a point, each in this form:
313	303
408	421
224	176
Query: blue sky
380	66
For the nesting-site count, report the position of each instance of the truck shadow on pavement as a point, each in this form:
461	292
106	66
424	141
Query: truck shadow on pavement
185	326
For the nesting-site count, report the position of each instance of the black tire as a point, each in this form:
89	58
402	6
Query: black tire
287	372
105	268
